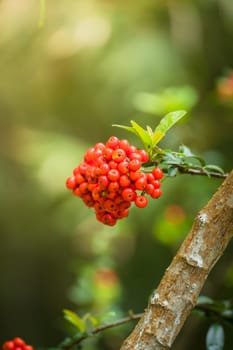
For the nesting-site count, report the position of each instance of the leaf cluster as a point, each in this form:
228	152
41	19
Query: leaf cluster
183	161
219	313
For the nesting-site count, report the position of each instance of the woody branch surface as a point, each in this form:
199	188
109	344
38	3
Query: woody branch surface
183	280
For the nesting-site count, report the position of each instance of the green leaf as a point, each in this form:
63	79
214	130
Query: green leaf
149	130
198	158
211	167
165	124
128	128
215	337
76	321
91	318
107	317
94	321
171	171
186	151
143	135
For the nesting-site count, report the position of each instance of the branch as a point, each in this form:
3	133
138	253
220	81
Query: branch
182	282
201	172
208	310
73	342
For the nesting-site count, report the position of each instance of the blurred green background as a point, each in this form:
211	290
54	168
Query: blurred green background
62	86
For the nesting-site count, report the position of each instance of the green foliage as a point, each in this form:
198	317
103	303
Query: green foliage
75	320
86	326
183	161
215	310
165	124
172	162
149	138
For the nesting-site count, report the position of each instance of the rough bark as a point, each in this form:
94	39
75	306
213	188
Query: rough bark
183	280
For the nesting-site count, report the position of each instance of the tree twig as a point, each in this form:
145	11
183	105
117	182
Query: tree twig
100	329
201	172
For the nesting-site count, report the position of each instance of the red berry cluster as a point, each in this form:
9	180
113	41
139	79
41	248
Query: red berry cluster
110	179
16	344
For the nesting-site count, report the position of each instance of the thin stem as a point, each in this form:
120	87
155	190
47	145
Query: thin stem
201	172
73	342
102	328
196	171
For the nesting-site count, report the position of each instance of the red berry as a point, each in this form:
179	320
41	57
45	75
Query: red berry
100	161
150	178
97	153
113	175
134	164
135	155
104	168
130	150
71	182
96	193
108	219
113	165
103	182
128	194
125	205
97	172
99	208
16	344
110	194
83	188
110	205
141	183
100	146
156	184
123	167
107	152
141	201
83	168
118	200
87	199
118	155
79	179
91	187
76	171
8	345
112	142
89	172
157	193
158	173
124	181
135	175
144	155
76	192
113	186
89	155
149	189
124	144
123	213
